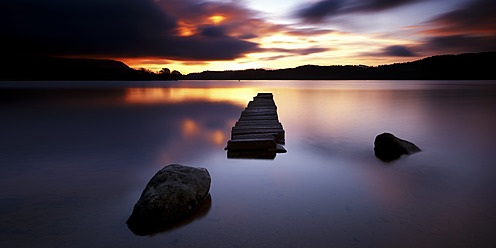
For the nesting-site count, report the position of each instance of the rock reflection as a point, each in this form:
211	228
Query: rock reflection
153	229
251	155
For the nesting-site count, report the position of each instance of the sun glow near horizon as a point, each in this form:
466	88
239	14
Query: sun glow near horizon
279	46
196	36
281	50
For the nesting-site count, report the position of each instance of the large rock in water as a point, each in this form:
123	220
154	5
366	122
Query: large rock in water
388	147
173	194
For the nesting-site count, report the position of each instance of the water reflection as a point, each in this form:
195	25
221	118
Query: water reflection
74	162
238	96
251	155
66	151
151	229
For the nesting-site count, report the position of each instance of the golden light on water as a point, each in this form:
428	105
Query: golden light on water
218	137
198	130
190	128
238	96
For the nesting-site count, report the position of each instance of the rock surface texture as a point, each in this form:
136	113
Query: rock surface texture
388	147
172	194
258	132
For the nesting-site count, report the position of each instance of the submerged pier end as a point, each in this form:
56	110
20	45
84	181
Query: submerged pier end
258	132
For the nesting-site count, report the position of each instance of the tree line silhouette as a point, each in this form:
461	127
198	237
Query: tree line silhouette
468	66
163	74
50	68
476	66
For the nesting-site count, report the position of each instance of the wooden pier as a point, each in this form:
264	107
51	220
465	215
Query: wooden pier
258	132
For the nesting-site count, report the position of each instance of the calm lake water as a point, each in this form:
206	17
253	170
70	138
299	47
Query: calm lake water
75	157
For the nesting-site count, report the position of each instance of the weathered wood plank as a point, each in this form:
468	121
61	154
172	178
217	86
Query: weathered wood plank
241	126
258	132
264	95
260	104
267	106
260	110
259	117
280	148
267	144
255	136
274	116
280	132
258	122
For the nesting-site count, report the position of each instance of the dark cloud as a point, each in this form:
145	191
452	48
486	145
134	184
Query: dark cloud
208	48
398	51
238	22
112	28
312	50
298	51
194	63
470	28
321	10
272	58
54	26
308	31
392	51
378	5
198	10
474	16
460	44
213	31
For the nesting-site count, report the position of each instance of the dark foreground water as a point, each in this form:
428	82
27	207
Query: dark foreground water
74	158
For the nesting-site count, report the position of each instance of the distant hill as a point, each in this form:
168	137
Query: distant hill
47	68
476	66
457	67
72	69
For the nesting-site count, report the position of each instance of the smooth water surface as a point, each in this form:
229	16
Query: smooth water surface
75	156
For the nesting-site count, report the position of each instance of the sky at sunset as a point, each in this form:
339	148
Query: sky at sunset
194	36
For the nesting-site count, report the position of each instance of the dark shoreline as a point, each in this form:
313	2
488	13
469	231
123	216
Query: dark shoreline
470	66
467	66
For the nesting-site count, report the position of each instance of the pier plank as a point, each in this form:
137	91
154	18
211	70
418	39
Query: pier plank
258	132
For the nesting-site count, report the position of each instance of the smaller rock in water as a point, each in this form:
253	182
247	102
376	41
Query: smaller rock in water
174	193
388	147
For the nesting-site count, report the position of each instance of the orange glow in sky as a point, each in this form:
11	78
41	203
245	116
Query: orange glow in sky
361	39
216	19
188	28
195	36
185	29
277	49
